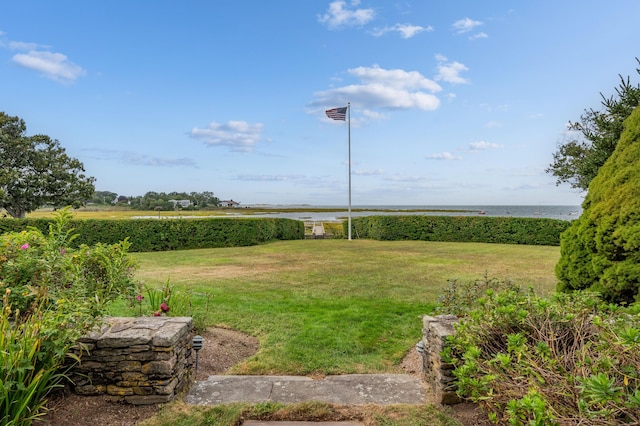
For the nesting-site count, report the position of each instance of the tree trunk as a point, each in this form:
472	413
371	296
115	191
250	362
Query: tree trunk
16	212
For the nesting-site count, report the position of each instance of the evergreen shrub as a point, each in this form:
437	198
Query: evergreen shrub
601	250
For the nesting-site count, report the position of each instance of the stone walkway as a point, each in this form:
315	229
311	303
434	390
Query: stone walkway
350	389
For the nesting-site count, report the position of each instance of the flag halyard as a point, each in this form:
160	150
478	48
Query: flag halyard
337	113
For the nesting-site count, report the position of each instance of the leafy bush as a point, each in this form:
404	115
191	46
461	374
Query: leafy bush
481	229
601	250
31	262
526	360
52	295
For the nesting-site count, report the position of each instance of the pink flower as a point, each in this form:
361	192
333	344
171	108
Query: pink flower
164	307
157	314
24	246
63	252
139	298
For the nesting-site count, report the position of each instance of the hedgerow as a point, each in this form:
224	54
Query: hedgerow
173	234
481	229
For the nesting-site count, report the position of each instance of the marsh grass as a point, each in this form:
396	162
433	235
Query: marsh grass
335	306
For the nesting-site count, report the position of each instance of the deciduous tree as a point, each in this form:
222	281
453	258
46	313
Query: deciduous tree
35	171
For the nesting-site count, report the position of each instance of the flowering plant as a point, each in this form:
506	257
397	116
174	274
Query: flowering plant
31	261
52	294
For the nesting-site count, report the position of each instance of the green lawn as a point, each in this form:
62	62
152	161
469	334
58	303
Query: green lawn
335	306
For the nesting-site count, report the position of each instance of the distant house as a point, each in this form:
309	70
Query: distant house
181	203
229	203
121	199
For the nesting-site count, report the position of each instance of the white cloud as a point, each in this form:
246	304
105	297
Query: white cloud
52	65
405	30
398	178
22	45
465	25
269	178
376	172
237	135
450	71
373	115
442	156
397	78
145	160
386	89
483	146
138	159
492	124
478	36
339	15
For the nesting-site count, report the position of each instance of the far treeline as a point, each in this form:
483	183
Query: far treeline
158	201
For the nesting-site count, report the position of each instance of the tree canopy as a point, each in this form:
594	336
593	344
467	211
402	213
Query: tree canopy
36	171
578	160
601	250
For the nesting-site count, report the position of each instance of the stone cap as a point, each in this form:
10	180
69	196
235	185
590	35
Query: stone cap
443	325
121	332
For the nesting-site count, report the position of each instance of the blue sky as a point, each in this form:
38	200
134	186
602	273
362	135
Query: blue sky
452	102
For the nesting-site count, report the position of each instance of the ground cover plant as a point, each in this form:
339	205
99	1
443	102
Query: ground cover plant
530	360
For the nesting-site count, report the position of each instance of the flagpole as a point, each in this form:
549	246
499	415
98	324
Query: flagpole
349	144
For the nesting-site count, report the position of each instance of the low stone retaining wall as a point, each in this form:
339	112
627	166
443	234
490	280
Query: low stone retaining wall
144	360
435	371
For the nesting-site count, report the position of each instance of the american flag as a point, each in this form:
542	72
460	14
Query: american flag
337	113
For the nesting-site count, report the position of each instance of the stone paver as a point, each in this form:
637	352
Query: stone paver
350	389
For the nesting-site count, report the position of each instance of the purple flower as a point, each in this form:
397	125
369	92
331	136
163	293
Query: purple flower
139	298
157	314
24	246
164	307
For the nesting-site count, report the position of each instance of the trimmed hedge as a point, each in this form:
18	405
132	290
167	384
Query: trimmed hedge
482	229
172	234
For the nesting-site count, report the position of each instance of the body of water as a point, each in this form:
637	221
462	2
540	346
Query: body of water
333	213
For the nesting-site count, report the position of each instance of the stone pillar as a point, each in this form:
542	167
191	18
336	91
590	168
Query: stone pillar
436	372
143	360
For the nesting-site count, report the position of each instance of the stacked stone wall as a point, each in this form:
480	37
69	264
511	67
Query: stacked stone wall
436	372
144	360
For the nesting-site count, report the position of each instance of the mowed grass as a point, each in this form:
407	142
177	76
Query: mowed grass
335	306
